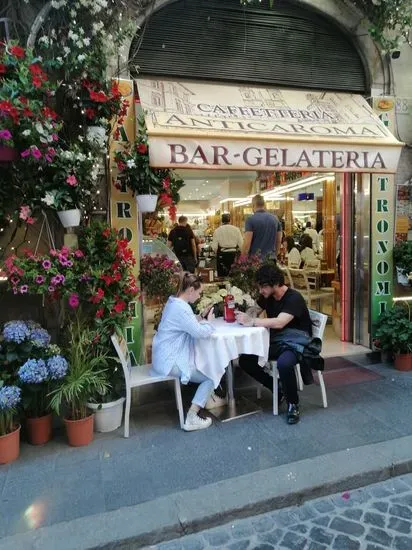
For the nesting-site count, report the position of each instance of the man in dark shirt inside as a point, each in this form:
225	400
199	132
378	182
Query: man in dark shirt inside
285	309
182	239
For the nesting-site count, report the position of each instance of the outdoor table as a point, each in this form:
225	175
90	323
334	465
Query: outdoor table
216	354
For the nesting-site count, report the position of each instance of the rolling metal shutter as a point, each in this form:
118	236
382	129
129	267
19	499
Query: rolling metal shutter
288	45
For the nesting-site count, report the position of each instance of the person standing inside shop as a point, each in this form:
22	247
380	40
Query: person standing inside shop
263	231
290	335
227	241
313	234
182	240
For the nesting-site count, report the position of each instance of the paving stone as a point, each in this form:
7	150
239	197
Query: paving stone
342	542
242	529
381	491
399	525
173	545
402	543
263	547
405	499
301	528
323	506
400	511
346	526
305	512
381	506
320	535
293	541
262	524
194	542
323	520
239	545
375	547
373	518
379	536
353	513
217	538
273	537
316	546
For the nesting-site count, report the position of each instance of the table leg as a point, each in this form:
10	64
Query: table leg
229	379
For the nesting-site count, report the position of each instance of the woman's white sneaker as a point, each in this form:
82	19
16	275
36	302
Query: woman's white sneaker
195	422
215	401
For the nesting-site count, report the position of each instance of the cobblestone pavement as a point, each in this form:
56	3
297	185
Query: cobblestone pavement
378	517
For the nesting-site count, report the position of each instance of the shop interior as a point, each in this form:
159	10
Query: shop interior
295	198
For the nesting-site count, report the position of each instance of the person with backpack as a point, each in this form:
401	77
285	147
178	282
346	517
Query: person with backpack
182	240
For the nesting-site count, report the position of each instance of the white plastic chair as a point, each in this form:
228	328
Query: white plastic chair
138	376
318	328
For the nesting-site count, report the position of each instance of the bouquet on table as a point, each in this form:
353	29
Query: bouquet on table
243	300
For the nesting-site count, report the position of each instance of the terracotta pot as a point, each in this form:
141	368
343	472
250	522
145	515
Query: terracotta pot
39	430
10	446
403	361
8	154
80	432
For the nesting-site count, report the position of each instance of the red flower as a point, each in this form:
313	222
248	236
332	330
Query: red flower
121	166
106	232
120	306
17	51
99	97
99	313
117	276
27	112
2	68
98	297
49	113
90	113
141	148
166	183
108	279
36	82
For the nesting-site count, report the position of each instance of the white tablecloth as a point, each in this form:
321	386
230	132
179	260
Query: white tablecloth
212	355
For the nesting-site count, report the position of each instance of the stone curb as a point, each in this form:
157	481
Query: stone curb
190	511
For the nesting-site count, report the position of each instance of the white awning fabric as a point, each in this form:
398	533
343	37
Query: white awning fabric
207	125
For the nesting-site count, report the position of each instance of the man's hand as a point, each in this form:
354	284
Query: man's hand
244	319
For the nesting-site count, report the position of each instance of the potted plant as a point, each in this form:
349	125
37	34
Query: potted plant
9	428
71	182
108	408
159	277
85	377
394	334
37	378
402	257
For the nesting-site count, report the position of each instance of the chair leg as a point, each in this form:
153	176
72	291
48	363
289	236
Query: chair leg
179	402
322	389
299	377
275	389
127	411
259	391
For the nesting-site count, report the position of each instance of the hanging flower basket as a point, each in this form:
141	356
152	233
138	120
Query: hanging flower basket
10	446
146	203
8	154
70	218
402	276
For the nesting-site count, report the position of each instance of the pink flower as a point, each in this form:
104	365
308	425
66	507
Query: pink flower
74	301
55	137
53	252
65	251
25	212
25	153
24	289
39	279
71	180
5	134
46	264
30	220
78	254
36	153
48	158
51	288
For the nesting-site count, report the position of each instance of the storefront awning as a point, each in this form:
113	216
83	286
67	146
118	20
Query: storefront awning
239	127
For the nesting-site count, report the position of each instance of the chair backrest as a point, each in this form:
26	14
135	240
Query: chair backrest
318	323
299	279
288	277
120	345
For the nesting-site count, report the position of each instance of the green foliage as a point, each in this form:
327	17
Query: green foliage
87	375
394	330
402	255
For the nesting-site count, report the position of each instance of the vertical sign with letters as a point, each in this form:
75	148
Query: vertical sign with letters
123	215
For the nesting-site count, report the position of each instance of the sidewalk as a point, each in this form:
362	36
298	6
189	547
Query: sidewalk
172	482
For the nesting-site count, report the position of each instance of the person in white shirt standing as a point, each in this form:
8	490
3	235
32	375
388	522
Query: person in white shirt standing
314	236
227	240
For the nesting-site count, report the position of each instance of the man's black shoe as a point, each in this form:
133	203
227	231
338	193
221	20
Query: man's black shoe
293	413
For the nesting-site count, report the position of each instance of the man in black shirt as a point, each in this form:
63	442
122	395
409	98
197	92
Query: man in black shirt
182	239
285	309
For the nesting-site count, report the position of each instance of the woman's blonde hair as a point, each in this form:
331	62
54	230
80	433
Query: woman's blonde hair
188	280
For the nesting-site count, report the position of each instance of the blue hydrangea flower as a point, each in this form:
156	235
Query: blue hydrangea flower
9	397
57	366
16	331
40	337
34	371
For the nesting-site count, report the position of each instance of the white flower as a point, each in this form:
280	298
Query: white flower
58	4
48	198
223	292
131	163
86	41
66	51
81	57
44	40
59	60
73	36
39	128
26	133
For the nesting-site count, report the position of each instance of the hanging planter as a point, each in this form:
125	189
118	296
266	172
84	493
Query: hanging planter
79	432
39	430
146	203
10	446
97	134
107	416
70	218
402	276
8	154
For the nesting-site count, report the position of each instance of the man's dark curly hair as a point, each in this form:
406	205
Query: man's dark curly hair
270	275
